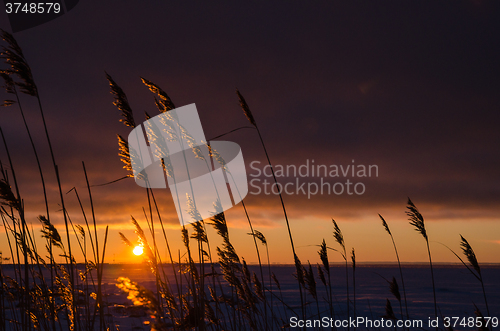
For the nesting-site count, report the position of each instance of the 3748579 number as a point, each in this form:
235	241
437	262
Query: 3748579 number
32	7
471	322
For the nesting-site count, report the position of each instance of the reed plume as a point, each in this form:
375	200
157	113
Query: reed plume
50	232
321	275
121	102
469	254
7	197
13	56
124	153
300	271
259	291
259	235
165	102
125	240
339	238
311	285
323	255
471	257
310	281
218	221
245	108
9	87
389	312
394	288
417	220
192	210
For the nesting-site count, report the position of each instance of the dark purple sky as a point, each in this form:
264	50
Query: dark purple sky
411	87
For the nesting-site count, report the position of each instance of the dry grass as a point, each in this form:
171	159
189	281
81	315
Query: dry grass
210	291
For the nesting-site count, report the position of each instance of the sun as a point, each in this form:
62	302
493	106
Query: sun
138	250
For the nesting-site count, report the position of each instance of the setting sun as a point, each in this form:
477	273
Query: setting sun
138	250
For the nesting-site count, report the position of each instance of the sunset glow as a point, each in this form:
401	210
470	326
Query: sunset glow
249	165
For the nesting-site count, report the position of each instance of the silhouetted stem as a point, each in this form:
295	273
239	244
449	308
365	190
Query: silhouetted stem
284	212
432	275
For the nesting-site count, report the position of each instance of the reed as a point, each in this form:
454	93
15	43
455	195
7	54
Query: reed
323	255
339	238
473	265
394	289
389	312
39	295
37	304
471	257
246	110
417	220
353	261
260	236
228	297
14	57
388	230
15	203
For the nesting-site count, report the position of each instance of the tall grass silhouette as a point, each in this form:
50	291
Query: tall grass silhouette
417	220
339	238
473	266
251	119
210	287
41	302
387	229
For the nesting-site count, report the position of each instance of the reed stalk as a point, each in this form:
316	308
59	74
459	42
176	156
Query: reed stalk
388	230
251	119
417	220
353	260
323	255
394	288
339	238
13	56
473	266
16	203
471	257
